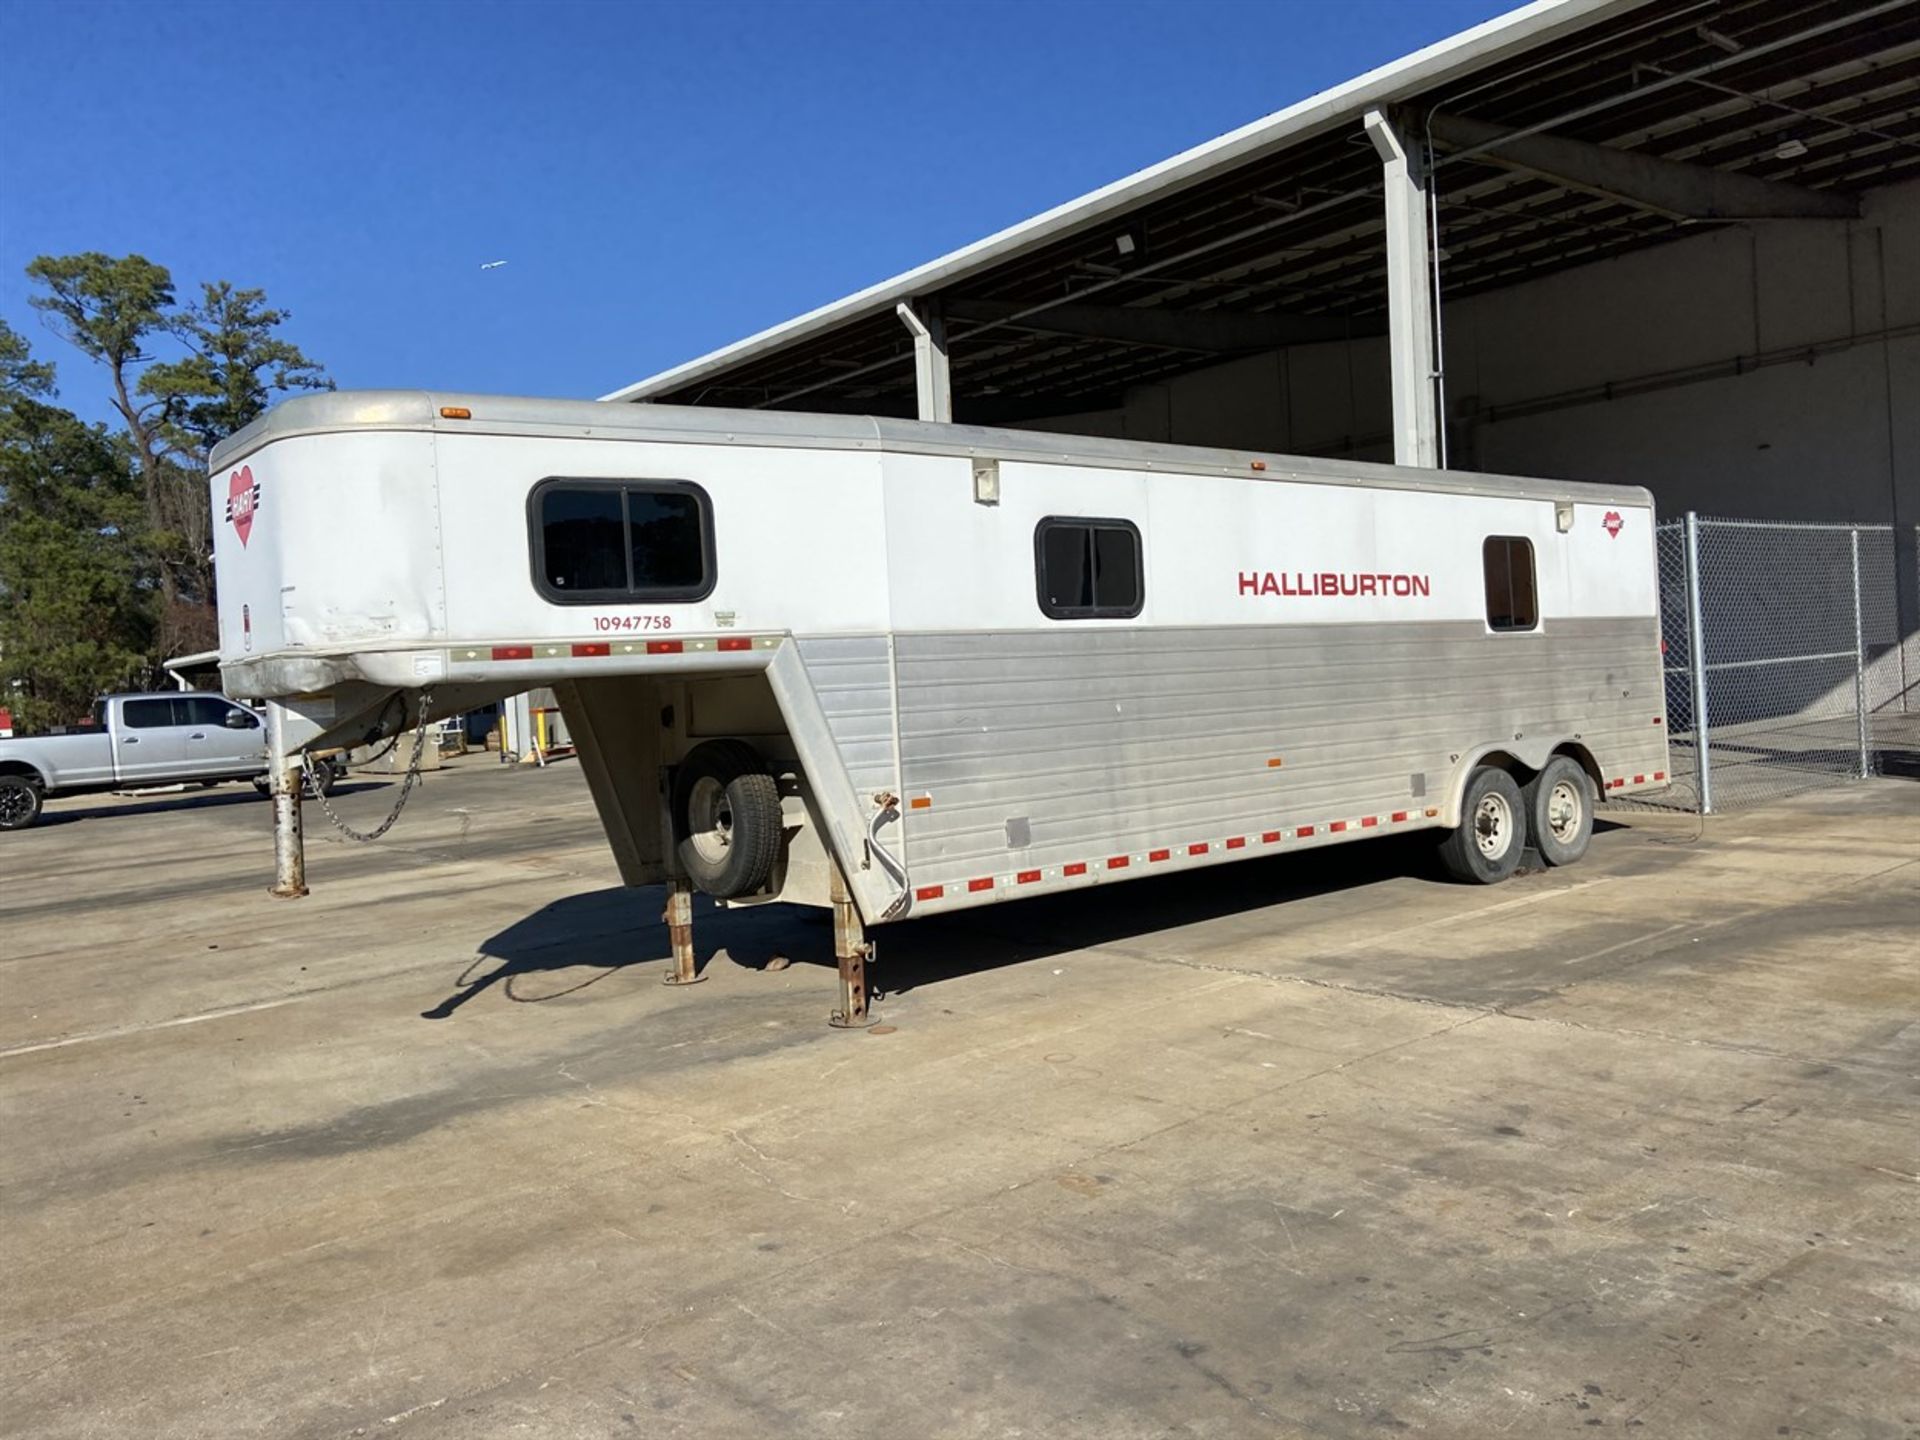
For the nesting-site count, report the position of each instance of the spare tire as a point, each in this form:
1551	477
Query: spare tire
726	819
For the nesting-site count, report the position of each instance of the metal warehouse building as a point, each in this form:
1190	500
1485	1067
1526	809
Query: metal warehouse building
1674	244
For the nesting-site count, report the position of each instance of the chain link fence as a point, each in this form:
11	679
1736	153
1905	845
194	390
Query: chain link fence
1785	665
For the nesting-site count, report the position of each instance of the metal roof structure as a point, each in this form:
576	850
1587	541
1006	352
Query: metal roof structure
1562	133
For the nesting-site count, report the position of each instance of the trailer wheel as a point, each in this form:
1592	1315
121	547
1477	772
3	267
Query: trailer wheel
1559	804
726	819
20	802
1492	835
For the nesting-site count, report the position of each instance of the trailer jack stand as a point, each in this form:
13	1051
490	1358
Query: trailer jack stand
851	951
285	781
679	918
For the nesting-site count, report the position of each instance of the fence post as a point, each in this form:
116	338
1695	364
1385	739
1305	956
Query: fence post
1860	664
1697	662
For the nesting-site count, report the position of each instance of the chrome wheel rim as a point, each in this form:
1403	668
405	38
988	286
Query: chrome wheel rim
1564	805
1493	825
710	819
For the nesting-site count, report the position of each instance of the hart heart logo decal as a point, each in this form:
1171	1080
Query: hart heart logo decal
243	498
1613	523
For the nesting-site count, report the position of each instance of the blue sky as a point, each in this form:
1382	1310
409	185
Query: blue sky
661	178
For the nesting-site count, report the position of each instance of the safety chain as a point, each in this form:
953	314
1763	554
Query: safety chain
406	786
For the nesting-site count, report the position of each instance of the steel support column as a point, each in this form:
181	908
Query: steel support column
1410	318
285	782
933	380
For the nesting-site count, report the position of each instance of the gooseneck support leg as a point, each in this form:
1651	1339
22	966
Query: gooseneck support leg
851	950
679	918
284	784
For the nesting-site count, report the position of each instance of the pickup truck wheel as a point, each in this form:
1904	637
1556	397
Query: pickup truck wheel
726	819
20	802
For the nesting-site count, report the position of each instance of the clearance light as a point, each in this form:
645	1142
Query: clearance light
455	412
735	642
664	647
513	652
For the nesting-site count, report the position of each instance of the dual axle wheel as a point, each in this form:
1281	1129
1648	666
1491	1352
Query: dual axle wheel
1499	818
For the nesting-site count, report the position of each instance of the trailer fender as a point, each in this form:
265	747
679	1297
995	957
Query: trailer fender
1522	760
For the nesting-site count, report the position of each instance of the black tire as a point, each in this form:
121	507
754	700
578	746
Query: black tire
1560	801
726	819
20	802
1492	835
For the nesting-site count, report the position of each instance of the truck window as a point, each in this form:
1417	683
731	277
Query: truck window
1512	600
1088	569
151	714
203	709
599	540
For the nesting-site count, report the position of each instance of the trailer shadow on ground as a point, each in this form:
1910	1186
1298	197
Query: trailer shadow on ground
576	942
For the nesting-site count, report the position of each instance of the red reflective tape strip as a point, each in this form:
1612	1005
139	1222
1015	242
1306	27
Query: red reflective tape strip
1118	862
1639	779
1659	774
1338	825
1027	877
598	647
735	642
1077	868
978	885
513	652
1270	837
1237	842
1398	816
929	892
664	647
1304	831
1159	855
1198	849
1618	783
1367	822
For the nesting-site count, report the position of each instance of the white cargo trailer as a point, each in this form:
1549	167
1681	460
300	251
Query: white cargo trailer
905	668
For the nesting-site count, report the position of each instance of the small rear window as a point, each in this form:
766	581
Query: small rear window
600	540
1513	602
1089	569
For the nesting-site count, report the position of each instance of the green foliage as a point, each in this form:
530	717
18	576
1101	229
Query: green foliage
20	373
106	306
105	537
236	360
76	592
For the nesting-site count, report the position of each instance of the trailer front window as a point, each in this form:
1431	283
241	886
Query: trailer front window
1088	569
1512	602
614	540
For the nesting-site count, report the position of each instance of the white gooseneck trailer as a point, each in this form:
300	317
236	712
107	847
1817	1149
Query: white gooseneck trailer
904	668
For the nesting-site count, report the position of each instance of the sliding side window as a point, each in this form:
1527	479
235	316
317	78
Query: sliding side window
1513	602
1089	569
596	541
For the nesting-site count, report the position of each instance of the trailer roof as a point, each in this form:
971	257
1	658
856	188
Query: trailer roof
335	411
1274	230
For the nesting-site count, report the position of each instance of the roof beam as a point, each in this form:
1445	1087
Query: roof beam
1665	187
1206	332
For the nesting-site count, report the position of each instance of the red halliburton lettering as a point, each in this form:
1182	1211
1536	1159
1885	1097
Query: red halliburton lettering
1335	583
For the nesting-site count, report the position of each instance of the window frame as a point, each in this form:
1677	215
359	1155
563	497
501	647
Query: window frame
628	594
1096	611
162	702
1533	577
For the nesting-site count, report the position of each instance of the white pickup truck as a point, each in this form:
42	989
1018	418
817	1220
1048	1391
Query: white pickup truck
138	742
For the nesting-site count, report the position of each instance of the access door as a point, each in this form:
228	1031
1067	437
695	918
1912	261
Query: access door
222	738
149	748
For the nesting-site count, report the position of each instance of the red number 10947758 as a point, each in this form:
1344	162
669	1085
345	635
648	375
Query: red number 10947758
633	622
